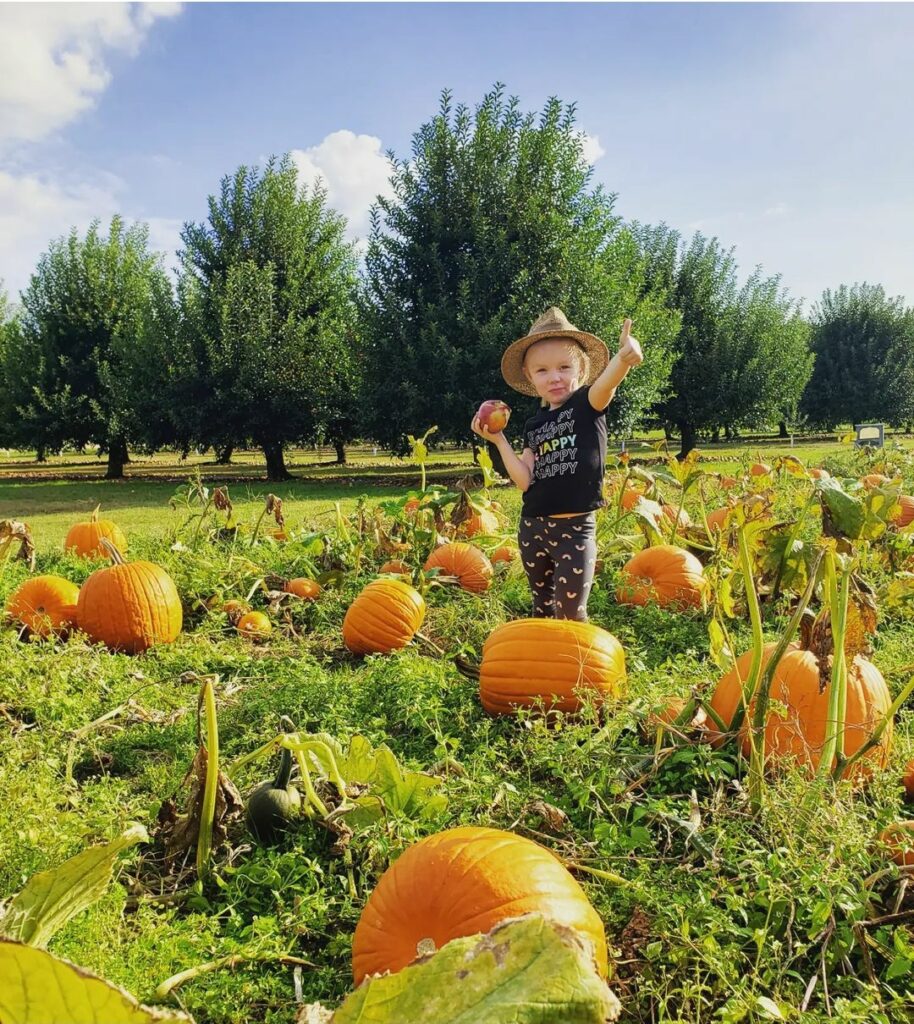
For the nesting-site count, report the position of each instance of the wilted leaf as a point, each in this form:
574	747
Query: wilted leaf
898	596
51	898
779	551
525	971
12	531
38	988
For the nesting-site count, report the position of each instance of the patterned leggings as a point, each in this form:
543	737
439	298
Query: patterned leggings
559	556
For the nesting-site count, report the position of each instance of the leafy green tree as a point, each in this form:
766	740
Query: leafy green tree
86	313
742	353
864	346
491	221
267	345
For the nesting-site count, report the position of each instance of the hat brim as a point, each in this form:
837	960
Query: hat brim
512	362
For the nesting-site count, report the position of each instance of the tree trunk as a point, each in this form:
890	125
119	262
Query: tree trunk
117	459
715	435
782	429
224	454
41	455
276	463
688	439
340	449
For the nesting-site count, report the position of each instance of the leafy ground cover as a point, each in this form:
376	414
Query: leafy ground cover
715	910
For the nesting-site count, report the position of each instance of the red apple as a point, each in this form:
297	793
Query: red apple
494	415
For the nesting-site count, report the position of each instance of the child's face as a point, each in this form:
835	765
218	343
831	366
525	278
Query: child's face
553	367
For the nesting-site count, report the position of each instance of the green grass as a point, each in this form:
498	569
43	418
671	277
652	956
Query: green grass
711	924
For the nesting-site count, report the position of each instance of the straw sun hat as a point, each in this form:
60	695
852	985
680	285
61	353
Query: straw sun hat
552	324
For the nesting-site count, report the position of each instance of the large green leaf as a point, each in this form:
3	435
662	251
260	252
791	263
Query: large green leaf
51	898
525	971
38	988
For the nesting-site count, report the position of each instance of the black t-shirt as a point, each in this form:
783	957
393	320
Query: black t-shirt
569	453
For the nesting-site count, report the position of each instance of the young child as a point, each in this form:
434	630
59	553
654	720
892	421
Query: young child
561	467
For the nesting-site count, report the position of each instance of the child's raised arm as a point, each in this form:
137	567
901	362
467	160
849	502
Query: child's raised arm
519	469
604	387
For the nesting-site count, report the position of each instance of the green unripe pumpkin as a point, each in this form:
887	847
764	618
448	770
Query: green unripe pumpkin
273	805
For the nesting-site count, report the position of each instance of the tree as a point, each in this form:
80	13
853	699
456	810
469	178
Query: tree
86	314
492	220
742	353
864	346
267	345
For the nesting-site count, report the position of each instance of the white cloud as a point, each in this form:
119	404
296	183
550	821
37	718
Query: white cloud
53	59
353	169
592	148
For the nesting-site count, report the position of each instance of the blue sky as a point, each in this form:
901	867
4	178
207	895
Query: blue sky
783	129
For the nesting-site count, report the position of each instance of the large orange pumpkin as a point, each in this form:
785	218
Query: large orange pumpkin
85	539
905	516
729	691
800	734
671	576
129	606
45	604
484	522
383	618
464	881
529	661
467	563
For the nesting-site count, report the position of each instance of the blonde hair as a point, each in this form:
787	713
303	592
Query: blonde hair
582	357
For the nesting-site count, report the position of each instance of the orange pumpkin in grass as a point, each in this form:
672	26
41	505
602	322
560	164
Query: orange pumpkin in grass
503	554
383	618
872	480
817	473
85	539
905	515
484	522
470	565
45	604
717	517
899	841
129	606
670	576
301	586
531	661
254	625
464	881
681	517
800	734
759	469
398	567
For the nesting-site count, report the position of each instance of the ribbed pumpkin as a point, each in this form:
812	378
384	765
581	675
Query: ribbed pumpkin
483	522
467	563
45	604
529	661
460	882
729	690
503	554
383	618
671	576
905	516
899	838
717	517
129	606
800	734
84	539
303	587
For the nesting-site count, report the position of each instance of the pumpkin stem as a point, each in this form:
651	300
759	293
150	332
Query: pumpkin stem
94	516
285	769
466	668
113	552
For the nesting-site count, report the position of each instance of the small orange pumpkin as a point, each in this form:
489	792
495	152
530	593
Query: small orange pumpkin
759	469
907	780
301	586
383	618
729	692
899	841
45	604
398	567
254	625
817	473
471	567
129	606
716	518
84	539
671	576
532	661
484	522
681	517
872	480
464	881
235	607
503	554
905	515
